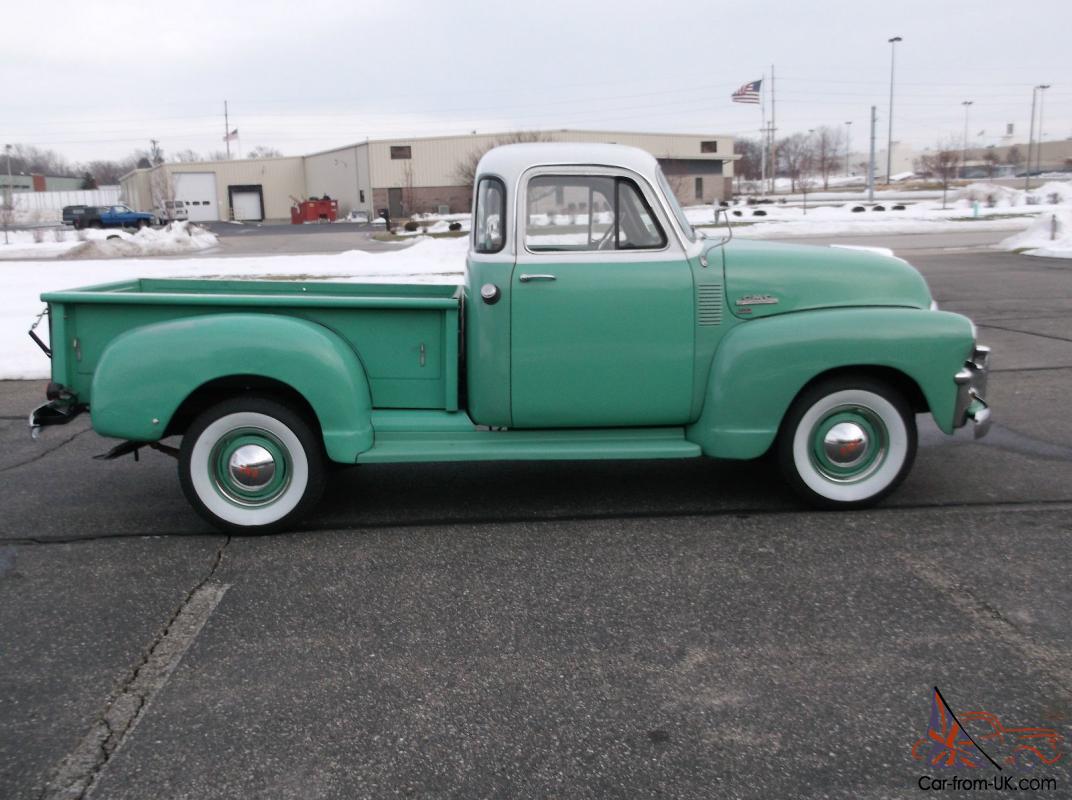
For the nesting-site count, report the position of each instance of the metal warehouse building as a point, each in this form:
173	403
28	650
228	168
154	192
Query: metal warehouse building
407	176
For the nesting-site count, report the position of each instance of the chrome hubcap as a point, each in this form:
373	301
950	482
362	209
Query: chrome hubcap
251	466
846	444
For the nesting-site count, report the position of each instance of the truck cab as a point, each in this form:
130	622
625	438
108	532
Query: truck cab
594	323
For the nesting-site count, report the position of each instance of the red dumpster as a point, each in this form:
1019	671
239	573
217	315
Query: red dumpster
313	210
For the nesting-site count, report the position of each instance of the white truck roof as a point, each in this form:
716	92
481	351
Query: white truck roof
509	161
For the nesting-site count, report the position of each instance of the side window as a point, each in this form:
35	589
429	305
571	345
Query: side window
637	227
570	213
489	233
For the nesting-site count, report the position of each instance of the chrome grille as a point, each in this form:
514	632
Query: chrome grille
709	304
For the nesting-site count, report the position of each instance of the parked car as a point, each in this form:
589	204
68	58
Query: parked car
172	211
113	217
71	214
598	324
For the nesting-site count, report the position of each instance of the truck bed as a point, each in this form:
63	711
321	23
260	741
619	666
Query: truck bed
406	335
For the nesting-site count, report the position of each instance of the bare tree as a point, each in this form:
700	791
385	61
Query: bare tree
942	163
990	157
1014	156
797	156
186	156
263	151
465	171
748	166
829	144
409	196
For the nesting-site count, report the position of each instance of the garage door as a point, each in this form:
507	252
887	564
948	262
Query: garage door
247	204
198	191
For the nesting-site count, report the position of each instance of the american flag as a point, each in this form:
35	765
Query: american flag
749	93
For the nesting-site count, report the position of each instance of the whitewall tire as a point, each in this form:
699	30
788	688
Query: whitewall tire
251	464
847	442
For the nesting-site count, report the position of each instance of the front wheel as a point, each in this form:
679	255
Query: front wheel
251	465
847	442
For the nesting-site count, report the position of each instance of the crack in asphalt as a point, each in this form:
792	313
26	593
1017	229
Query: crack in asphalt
988	617
1013	506
1026	333
44	453
1028	369
79	772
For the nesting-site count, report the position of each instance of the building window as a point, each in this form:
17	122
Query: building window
699	188
401	151
361	195
709	146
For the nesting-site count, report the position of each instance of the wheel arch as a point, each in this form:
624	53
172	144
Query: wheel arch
150	374
763	365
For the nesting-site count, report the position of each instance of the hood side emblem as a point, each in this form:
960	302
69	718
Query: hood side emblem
757	300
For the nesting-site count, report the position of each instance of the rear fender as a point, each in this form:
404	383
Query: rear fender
145	374
762	365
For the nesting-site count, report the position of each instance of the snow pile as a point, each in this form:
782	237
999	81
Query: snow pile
1036	241
426	261
49	243
991	193
176	238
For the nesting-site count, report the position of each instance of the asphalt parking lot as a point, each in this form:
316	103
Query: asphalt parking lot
610	629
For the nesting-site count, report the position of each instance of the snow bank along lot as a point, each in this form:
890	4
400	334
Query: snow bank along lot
998	208
176	237
427	261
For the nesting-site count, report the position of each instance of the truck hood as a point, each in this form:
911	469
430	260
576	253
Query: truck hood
765	278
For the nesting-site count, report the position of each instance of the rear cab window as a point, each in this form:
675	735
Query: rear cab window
489	233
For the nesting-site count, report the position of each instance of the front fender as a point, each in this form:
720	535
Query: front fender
761	366
144	375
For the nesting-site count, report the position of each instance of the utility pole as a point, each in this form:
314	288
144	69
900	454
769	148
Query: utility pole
773	150
848	148
1030	141
964	151
9	205
871	160
226	130
889	139
1038	148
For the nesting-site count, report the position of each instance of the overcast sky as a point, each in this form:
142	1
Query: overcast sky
98	79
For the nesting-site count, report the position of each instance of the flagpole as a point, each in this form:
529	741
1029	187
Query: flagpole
773	151
763	132
226	131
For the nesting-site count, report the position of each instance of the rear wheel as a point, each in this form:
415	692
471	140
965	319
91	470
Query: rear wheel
252	464
847	442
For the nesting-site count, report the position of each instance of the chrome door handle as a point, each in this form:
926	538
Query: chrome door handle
526	277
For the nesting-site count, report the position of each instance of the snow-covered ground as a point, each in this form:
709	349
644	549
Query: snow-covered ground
426	261
176	238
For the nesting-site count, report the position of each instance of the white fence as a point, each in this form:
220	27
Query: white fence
39	201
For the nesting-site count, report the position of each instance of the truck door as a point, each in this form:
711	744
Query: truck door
602	305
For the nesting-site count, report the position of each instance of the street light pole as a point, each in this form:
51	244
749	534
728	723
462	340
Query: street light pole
1030	141
889	137
9	206
964	152
848	149
1038	148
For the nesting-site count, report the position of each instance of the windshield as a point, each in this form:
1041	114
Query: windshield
675	206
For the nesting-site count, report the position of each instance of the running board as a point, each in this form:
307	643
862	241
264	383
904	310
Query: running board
393	447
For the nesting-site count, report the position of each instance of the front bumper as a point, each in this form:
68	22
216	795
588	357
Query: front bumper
971	386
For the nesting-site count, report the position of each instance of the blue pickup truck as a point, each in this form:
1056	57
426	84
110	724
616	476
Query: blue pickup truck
112	217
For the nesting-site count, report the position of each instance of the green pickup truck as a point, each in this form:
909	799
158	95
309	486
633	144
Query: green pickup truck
594	323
